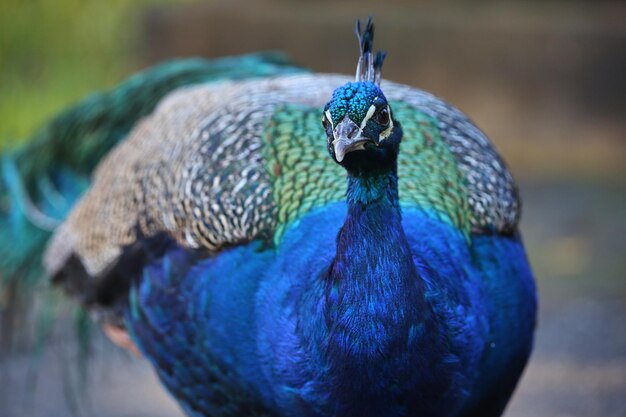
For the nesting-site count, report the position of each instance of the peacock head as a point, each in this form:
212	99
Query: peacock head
362	134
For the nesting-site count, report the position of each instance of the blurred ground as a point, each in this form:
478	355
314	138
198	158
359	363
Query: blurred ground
545	80
574	236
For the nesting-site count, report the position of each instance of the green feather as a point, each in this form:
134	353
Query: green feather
304	177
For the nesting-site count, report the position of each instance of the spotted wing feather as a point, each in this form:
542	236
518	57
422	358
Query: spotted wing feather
211	168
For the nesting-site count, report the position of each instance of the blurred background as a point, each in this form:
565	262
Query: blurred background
546	80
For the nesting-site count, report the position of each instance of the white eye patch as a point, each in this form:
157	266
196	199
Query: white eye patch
329	118
368	116
370	112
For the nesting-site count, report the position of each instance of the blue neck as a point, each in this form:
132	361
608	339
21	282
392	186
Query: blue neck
373	299
372	278
377	189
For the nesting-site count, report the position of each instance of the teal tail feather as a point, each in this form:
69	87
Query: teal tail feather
41	181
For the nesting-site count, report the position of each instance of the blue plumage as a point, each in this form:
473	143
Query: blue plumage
363	309
298	343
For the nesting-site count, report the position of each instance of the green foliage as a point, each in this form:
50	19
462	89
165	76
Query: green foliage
53	52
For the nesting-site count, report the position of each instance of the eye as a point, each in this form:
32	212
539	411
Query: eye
325	122
382	116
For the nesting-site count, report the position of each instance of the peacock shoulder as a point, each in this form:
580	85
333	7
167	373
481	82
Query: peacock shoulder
222	164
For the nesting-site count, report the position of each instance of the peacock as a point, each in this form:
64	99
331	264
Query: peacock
278	242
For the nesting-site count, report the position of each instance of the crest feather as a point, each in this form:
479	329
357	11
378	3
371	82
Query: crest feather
369	66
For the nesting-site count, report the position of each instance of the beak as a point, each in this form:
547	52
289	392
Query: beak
348	138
